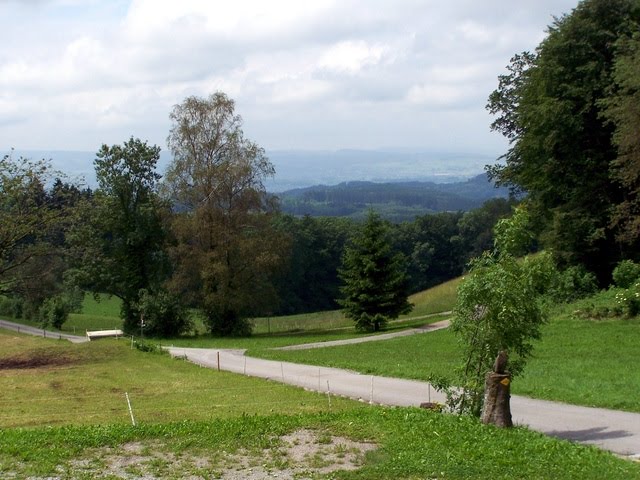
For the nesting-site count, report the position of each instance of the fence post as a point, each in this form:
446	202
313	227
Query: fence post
133	420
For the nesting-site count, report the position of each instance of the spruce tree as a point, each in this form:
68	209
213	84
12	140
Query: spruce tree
375	283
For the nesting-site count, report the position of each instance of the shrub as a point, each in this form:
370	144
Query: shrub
629	300
11	307
573	283
626	273
163	314
147	347
54	311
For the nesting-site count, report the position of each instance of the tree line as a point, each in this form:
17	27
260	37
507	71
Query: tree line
398	201
205	236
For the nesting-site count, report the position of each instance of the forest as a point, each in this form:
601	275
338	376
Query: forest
397	201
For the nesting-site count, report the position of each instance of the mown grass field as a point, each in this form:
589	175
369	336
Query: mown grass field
191	420
49	382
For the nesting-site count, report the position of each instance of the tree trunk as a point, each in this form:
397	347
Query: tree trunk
497	410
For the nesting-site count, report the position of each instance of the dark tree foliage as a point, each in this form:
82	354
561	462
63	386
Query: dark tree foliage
549	107
33	219
119	237
375	283
433	248
309	281
623	110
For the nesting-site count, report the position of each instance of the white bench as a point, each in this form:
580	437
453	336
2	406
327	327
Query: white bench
103	334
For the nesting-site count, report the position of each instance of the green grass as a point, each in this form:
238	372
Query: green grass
49	382
102	313
264	342
103	306
432	301
440	298
411	444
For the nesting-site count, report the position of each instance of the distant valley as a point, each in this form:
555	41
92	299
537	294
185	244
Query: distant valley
399	184
397	201
300	168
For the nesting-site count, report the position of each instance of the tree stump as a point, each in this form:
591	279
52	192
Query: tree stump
497	410
497	385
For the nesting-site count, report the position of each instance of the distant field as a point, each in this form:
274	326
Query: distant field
104	313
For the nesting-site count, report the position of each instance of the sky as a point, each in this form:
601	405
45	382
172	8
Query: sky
305	75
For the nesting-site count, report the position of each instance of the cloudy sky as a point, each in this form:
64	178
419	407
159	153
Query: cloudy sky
318	74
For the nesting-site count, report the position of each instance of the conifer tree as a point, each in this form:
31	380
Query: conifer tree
375	283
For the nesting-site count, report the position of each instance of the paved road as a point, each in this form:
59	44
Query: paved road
612	430
370	338
17	327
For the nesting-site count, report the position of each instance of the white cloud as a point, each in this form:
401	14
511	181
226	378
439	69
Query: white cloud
321	74
351	56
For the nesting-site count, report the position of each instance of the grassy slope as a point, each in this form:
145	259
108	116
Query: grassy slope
87	388
86	384
104	314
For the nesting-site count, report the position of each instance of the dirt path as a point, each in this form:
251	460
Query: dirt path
611	430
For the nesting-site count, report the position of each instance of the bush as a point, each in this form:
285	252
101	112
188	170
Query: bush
11	307
626	273
164	315
629	300
572	284
147	347
54	311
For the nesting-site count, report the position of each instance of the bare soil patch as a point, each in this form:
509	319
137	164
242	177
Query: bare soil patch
300	455
36	359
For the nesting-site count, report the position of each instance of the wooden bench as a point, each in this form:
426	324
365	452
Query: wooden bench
94	335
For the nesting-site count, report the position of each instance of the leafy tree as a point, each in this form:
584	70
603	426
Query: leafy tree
498	309
226	246
475	228
432	246
119	237
375	283
54	311
622	108
549	106
163	313
31	222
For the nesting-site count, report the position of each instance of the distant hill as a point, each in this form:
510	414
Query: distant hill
300	168
396	201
